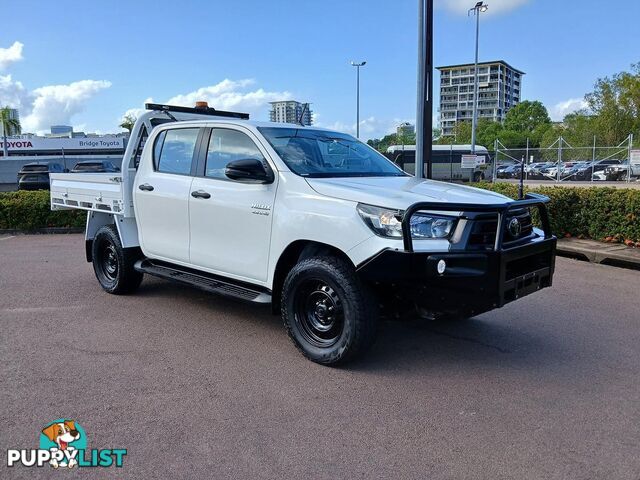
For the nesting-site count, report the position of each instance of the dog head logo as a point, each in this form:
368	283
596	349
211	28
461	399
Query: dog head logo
65	436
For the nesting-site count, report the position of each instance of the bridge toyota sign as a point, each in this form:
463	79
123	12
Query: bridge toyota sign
58	144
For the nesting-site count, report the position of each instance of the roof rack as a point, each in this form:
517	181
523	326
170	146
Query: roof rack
198	110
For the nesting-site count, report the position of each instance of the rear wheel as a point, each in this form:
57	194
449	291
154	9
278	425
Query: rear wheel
112	264
327	312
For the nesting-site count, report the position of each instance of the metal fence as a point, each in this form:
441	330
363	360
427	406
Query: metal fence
562	162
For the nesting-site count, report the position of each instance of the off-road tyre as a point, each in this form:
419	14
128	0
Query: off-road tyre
112	264
329	314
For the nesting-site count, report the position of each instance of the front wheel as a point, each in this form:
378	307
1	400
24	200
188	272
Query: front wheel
327	311
112	264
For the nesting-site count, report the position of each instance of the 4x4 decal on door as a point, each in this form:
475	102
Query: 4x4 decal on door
261	209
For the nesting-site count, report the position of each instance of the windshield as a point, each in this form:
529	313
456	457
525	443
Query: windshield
318	153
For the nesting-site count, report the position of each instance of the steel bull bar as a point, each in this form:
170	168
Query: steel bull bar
530	200
483	279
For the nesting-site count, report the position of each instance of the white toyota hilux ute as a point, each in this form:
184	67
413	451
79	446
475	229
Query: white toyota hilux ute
313	221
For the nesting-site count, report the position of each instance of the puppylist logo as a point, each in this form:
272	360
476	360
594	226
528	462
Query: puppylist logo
63	443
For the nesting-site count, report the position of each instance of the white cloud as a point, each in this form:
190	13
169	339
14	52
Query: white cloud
10	55
560	109
495	6
231	95
57	104
228	94
12	93
44	106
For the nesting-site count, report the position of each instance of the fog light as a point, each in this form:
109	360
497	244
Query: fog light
442	266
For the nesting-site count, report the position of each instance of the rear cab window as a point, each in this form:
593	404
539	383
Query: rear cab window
173	150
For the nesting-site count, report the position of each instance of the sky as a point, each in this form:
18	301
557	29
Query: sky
88	63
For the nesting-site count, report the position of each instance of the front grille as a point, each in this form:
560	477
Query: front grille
526	226
483	230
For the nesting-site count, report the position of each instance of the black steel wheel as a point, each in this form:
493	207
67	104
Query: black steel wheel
328	313
112	264
318	312
107	259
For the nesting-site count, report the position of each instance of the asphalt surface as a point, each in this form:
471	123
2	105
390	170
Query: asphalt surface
197	386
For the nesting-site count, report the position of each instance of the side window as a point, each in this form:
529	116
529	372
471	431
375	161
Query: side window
226	146
157	149
176	150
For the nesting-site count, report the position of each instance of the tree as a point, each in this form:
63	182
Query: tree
128	121
526	117
9	125
615	105
381	144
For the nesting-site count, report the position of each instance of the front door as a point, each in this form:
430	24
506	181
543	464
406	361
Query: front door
161	194
231	220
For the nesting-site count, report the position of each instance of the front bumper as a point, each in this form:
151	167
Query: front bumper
473	281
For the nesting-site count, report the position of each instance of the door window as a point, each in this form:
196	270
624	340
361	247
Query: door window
226	146
175	153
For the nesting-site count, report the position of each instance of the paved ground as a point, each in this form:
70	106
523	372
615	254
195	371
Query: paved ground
196	386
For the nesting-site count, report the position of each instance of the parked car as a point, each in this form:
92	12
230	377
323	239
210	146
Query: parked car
614	173
535	170
35	175
535	166
94	166
587	173
512	171
502	167
313	221
599	176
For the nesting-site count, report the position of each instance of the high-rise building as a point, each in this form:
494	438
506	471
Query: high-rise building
405	129
290	111
499	90
61	130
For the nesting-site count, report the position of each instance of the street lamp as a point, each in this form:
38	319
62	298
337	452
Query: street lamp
358	65
480	7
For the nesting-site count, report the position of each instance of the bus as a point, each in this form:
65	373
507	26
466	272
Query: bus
446	161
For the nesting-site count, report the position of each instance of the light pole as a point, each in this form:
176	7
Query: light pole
358	65
479	8
424	111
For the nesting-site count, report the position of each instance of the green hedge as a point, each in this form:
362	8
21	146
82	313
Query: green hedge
601	213
30	211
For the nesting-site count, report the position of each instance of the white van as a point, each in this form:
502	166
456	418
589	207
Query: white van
446	162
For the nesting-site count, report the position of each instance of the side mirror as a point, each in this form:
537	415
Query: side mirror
249	169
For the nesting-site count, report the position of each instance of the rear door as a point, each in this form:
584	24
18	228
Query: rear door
161	194
230	220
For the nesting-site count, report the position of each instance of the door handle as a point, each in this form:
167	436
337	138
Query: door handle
200	194
146	187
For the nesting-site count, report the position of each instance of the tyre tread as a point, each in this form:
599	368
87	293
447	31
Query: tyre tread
355	292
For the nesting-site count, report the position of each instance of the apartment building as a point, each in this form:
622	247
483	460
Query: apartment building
499	90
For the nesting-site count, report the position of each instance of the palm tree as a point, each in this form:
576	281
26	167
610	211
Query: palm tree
8	124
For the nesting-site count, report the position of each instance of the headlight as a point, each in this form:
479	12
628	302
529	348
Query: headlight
386	223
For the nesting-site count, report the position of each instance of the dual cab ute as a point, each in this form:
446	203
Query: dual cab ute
318	224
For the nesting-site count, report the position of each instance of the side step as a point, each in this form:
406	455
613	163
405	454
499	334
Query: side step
204	281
